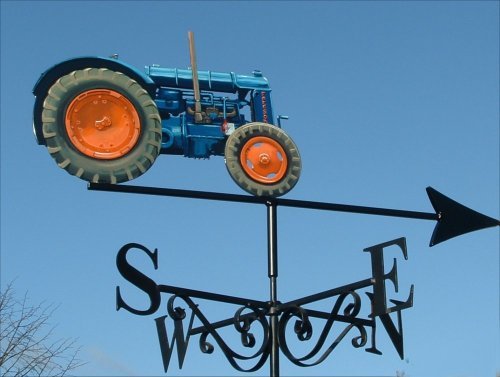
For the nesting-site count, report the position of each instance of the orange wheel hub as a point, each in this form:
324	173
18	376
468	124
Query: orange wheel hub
264	160
103	124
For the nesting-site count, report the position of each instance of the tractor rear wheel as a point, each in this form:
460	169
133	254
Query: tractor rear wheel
101	126
262	159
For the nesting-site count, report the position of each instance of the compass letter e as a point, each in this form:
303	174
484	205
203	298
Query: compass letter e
378	297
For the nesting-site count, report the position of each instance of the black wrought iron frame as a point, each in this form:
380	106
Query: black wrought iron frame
274	316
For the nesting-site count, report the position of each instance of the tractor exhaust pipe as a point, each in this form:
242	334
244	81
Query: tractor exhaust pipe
198	118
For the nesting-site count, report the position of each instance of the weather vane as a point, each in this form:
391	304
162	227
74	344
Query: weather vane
106	123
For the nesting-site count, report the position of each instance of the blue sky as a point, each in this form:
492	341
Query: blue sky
384	98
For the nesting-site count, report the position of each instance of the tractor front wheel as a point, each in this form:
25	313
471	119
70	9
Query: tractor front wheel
101	126
262	159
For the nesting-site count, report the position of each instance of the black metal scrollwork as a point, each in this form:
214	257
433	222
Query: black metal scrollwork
175	312
242	323
273	317
303	329
206	346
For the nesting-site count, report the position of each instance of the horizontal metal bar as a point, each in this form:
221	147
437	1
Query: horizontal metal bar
223	323
340	318
262	200
176	193
357	209
326	294
212	296
310	313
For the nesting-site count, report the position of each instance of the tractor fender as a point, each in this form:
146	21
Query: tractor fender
50	76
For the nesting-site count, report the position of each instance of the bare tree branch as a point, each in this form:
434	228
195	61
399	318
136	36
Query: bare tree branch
26	345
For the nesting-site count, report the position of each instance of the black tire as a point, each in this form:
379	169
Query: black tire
129	165
236	145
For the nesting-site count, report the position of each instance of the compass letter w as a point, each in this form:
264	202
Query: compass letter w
178	337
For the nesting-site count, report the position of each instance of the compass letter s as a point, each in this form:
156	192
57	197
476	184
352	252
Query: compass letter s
138	279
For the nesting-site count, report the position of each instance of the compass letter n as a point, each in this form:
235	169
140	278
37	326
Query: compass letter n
378	297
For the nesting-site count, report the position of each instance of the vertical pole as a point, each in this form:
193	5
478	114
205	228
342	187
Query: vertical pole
196	85
272	255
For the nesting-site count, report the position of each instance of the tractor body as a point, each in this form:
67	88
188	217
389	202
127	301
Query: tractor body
229	101
105	121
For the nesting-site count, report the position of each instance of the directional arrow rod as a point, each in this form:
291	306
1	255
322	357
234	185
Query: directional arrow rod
453	219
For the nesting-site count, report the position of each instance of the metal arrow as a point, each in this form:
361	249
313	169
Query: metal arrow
453	219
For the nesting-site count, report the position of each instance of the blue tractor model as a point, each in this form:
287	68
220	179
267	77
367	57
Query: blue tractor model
106	122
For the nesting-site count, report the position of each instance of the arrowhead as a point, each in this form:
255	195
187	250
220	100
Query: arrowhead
454	219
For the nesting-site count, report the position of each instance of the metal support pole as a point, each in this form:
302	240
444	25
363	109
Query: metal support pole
272	255
196	85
